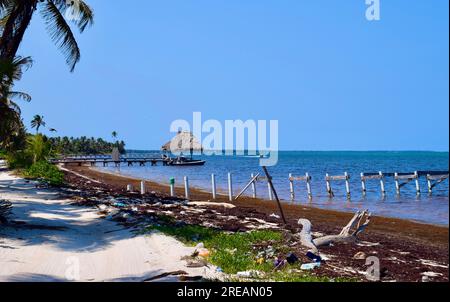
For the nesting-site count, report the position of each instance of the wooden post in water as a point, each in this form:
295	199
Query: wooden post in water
213	186
329	190
142	187
230	187
383	191
308	185
416	175
186	187
291	187
253	185
397	183
172	187
347	184
363	184
430	186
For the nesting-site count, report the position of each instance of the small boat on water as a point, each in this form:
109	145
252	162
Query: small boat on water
183	161
184	141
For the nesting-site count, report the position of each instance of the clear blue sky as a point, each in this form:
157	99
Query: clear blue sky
333	80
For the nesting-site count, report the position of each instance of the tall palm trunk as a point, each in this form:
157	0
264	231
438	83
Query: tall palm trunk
15	28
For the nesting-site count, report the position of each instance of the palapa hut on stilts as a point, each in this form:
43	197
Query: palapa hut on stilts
184	141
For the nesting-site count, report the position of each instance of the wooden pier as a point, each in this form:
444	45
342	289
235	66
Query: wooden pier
107	160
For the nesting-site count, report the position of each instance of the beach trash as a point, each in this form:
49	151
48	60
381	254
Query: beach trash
291	258
313	257
119	205
360	256
204	253
279	263
249	274
200	246
260	260
309	266
219	270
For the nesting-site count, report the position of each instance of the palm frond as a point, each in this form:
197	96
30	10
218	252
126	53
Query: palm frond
20	95
12	105
85	14
61	33
14	69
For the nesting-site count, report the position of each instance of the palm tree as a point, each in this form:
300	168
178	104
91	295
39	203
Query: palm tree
12	131
16	15
114	134
37	122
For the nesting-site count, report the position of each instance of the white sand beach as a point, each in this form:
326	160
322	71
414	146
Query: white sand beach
53	240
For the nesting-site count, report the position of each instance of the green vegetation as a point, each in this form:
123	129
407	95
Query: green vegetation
235	252
38	122
22	150
45	171
32	161
12	130
84	145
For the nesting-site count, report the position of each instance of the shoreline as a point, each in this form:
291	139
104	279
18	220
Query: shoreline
412	230
407	251
223	197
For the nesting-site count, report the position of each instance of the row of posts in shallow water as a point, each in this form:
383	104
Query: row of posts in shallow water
401	179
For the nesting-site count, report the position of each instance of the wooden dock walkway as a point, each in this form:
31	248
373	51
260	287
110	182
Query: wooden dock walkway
106	160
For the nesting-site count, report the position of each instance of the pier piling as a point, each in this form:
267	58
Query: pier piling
186	187
347	185
172	187
308	185
269	187
416	175
329	190
213	186
230	187
143	187
291	187
363	184
383	190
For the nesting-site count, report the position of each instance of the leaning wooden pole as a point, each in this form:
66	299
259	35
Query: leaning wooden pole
269	179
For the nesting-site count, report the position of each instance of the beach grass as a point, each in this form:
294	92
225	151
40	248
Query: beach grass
238	252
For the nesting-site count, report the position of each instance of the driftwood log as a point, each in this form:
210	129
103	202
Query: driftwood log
348	234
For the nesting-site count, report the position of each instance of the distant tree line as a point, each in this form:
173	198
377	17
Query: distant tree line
84	145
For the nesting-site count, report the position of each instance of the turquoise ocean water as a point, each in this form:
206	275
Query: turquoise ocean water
424	208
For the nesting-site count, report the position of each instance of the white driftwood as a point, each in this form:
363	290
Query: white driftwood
348	234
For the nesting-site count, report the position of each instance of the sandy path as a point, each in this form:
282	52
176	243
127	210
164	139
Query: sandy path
61	242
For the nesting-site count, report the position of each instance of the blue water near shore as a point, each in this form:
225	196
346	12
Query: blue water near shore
432	209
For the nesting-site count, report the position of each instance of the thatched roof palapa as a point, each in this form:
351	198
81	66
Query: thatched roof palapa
184	141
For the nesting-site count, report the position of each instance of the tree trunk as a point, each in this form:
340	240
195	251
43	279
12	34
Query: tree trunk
15	29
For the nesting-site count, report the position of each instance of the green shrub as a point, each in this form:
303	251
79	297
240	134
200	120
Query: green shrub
19	160
47	172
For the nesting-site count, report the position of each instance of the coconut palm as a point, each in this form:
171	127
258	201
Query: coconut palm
16	15
37	122
11	126
114	134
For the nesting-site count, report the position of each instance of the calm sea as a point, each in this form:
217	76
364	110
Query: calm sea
424	208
